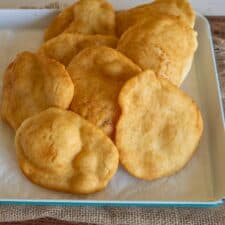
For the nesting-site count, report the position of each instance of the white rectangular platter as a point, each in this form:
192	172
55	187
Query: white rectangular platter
200	183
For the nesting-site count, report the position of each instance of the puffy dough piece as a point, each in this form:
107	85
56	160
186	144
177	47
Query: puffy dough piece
159	127
59	150
31	84
63	47
59	23
168	48
93	17
179	8
98	74
86	17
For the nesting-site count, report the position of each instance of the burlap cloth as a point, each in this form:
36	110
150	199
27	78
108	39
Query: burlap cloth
120	216
134	216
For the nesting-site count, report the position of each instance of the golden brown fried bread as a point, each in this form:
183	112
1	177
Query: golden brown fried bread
86	17
31	84
98	74
63	47
164	45
59	23
179	8
93	17
159	127
59	150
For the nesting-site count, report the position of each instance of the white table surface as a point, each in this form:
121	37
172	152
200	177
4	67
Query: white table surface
206	7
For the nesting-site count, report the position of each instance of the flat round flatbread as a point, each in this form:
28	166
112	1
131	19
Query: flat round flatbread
65	46
163	44
31	84
86	17
179	8
59	150
159	127
98	74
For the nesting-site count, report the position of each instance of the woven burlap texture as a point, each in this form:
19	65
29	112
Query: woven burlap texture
122	216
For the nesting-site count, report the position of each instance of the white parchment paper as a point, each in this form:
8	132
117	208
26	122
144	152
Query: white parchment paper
193	183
